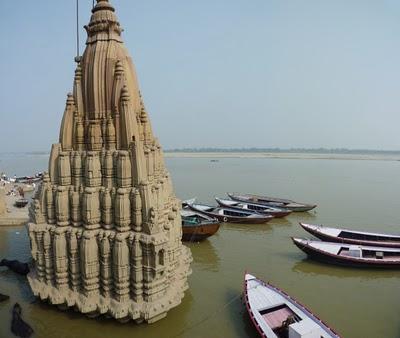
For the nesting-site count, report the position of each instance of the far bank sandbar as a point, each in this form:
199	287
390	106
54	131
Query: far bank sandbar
292	156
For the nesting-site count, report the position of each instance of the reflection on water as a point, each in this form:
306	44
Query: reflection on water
281	222
357	303
308	216
315	268
254	228
204	255
239	318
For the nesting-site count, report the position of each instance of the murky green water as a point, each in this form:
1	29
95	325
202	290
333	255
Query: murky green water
357	303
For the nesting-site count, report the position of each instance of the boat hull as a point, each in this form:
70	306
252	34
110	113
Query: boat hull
325	257
234	219
336	239
276	214
198	233
21	203
243	220
296	207
300	209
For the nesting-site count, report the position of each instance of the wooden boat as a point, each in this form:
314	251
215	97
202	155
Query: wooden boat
272	201
253	207
230	215
277	315
349	254
28	179
20	203
351	236
197	227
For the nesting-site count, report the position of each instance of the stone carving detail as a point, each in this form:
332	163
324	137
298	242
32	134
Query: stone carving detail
105	225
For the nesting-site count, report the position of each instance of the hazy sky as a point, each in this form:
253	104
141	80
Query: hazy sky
224	73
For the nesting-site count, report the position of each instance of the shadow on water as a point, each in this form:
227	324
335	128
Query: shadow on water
109	327
248	326
238	316
288	221
308	215
281	222
309	266
11	281
249	228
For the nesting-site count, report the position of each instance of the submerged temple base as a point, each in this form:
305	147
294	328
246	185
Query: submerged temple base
105	228
112	282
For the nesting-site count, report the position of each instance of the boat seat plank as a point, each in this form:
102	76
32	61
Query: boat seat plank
275	319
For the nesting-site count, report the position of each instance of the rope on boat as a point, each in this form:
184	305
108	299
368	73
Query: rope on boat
205	319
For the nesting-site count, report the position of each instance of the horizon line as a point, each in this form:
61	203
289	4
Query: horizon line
245	149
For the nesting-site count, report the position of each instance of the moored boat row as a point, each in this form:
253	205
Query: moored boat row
230	215
253	207
197	220
275	314
351	247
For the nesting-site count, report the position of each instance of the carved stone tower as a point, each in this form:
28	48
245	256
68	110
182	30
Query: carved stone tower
105	227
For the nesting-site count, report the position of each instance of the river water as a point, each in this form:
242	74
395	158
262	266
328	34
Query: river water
357	303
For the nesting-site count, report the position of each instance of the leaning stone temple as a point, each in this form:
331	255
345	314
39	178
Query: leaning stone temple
105	227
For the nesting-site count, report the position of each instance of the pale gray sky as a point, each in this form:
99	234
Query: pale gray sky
223	73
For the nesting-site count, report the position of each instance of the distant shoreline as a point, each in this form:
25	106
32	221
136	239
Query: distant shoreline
286	155
306	154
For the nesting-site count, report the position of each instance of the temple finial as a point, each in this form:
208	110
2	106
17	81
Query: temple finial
103	23
103	5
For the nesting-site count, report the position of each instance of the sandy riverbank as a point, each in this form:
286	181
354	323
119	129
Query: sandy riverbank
296	156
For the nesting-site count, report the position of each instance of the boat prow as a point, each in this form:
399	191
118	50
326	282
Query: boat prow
299	241
189	201
248	276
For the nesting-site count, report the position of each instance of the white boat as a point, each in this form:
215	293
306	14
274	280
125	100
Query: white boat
272	201
253	207
350	254
340	235
276	315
